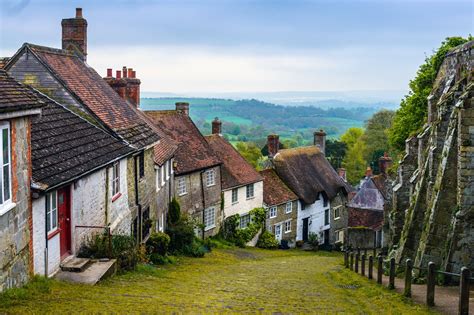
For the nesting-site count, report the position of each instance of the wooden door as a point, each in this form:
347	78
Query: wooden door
305	229
64	214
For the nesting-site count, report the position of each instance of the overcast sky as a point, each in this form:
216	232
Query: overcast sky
228	46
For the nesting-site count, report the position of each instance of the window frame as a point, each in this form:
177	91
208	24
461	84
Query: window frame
236	191
182	187
247	190
209	220
290	204
210	178
141	165
115	179
338	210
6	204
158	178
327	220
245	220
287	224
270	210
52	213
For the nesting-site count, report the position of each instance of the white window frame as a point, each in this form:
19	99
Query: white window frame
116	179
6	204
51	212
248	190
287	226
181	186
162	175
209	218
245	220
273	212
172	168
289	207
210	178
168	170
338	211
158	181
236	190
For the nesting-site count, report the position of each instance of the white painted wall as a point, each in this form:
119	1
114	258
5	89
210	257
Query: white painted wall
243	205
39	241
120	217
315	212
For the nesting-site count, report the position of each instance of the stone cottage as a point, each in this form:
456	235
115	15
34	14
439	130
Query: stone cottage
17	107
432	218
197	169
320	189
64	76
282	207
242	185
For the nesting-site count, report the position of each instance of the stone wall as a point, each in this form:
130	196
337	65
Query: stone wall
338	223
281	217
15	222
432	217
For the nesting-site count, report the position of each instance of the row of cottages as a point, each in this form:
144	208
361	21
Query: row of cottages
91	161
321	193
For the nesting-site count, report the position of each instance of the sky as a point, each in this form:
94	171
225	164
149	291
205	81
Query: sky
248	46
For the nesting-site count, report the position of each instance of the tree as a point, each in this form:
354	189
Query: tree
411	116
354	161
376	137
335	152
250	152
351	136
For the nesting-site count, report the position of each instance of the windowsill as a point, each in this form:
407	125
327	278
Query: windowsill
183	194
250	198
337	218
286	232
272	217
116	196
207	228
211	185
288	212
53	234
234	203
7	207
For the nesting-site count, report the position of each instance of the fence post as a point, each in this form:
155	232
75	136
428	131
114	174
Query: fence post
371	266
464	291
346	259
430	284
375	252
362	265
357	263
352	261
408	275
379	269
391	282
358	250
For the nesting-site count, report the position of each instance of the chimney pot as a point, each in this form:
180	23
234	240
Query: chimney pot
130	70
134	74
183	107
78	13
368	172
124	72
320	140
273	144
216	126
385	162
118	74
109	72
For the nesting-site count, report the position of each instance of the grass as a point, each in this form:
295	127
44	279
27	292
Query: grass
226	280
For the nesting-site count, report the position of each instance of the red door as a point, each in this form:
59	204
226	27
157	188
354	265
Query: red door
64	213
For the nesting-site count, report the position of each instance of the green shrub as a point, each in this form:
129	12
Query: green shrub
267	240
181	235
240	236
174	212
196	249
218	242
158	242
313	240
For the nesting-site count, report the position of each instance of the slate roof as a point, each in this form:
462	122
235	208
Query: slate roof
368	197
275	191
307	172
235	170
193	152
15	96
88	87
65	146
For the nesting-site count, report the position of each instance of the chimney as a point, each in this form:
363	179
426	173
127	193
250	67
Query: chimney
342	173
130	70
183	107
385	162
368	172
273	144
74	35
118	74
216	126
320	140
124	72
127	87
109	73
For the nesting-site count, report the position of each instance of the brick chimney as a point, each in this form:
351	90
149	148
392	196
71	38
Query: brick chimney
183	107
385	162
320	140
368	172
216	126
273	144
127	87
74	35
342	173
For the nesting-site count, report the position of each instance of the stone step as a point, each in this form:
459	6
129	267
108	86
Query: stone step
95	271
75	264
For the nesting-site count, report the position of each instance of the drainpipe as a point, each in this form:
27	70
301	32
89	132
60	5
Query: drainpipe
203	202
46	235
137	203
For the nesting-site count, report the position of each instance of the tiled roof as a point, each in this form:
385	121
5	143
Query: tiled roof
15	96
275	191
165	149
65	146
93	92
235	170
365	218
3	61
307	172
368	197
193	153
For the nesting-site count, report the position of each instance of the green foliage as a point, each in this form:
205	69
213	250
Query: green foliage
413	110
335	152
267	241
123	248
158	242
354	161
174	212
38	285
351	136
250	152
218	242
313	240
181	235
232	232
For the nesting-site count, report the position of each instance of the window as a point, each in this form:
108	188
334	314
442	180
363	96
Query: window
5	179
171	166
287	226
340	236
170	169
273	212
303	205
158	178
209	218
51	212
326	217
244	221
210	178
337	213
250	192
141	164
289	207
163	174
325	201
235	195
116	178
182	186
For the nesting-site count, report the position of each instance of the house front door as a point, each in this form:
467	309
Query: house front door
64	214
305	229
278	232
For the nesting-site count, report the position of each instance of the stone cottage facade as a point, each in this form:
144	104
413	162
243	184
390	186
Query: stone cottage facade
17	107
433	199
